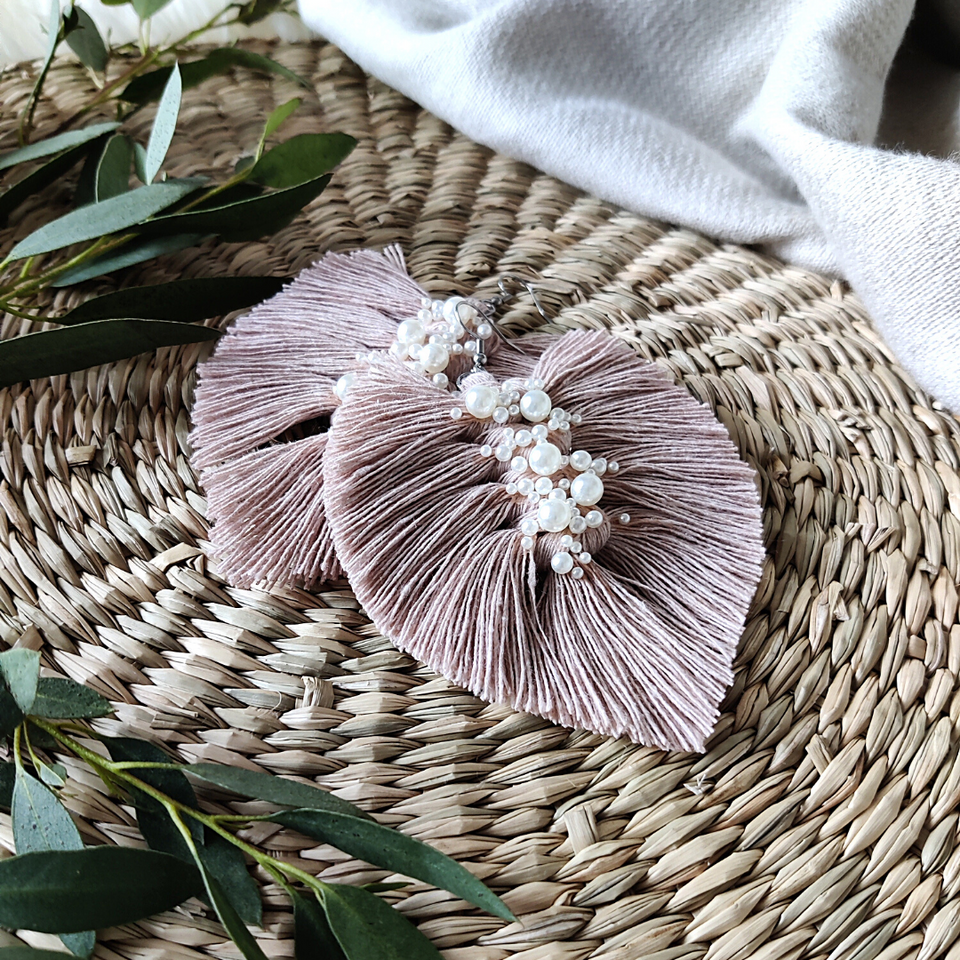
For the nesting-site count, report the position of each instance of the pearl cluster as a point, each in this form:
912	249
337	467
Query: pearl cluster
564	504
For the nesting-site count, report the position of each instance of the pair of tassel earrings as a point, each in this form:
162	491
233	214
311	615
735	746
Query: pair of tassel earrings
548	522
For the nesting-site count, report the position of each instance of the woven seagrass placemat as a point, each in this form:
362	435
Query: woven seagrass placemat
821	822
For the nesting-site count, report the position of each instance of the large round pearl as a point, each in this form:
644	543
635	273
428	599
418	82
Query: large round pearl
561	562
554	515
434	357
544	459
481	400
580	460
535	406
586	489
411	331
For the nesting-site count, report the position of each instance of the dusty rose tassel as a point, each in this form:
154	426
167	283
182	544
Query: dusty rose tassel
425	527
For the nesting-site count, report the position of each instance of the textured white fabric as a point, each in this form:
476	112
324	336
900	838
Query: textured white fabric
771	122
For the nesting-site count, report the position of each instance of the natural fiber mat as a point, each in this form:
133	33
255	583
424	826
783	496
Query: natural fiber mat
821	823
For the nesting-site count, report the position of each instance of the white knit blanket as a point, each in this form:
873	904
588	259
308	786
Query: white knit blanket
784	123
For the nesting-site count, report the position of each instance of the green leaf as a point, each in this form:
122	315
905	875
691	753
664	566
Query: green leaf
244	220
313	939
99	219
256	10
130	254
30	953
149	87
147	8
51	352
72	891
392	850
229	917
84	40
301	159
10	714
273	789
184	300
140	161
52	145
41	823
53	774
226	864
368	928
8	774
34	182
164	125
113	169
61	699
21	670
275	120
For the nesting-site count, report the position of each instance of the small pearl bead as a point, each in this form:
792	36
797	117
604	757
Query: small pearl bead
557	494
411	331
566	541
564	426
578	524
434	357
524	438
584	557
543	486
503	452
457	348
624	517
564	484
600	466
557	413
539	432
508	433
344	384
594	518
480	401
484	331
580	460
500	415
553	424
561	562
576	418
518	464
545	459
486	450
424	316
440	379
576	546
436	306
613	467
456	413
577	574
513	409
586	489
425	302
554	515
511	489
525	486
470	347
538	384
526	543
529	527
450	308
535	406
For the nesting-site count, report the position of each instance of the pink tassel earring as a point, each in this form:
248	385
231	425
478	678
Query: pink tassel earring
550	523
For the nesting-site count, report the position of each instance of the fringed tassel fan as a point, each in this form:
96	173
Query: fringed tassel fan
550	523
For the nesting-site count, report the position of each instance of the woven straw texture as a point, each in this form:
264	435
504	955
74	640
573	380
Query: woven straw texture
822	820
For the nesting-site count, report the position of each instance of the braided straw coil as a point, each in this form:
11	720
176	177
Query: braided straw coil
821	822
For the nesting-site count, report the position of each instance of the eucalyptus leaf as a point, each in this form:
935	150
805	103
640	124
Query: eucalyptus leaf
84	39
229	917
21	671
368	928
130	254
140	161
8	774
48	353
183	300
276	118
228	867
256	10
113	169
392	850
164	125
147	8
74	890
244	220
41	823
42	177
301	159
97	220
53	775
273	789
57	144
10	714
59	698
149	86
312	936
85	191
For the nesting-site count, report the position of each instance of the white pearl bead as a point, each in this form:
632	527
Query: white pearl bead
538	384
500	415
470	347
440	379
486	450
524	438
535	406
424	316
577	574
543	486
411	331
545	459
425	302
526	543
434	357
484	331
613	467
584	557
600	466
456	413
557	494
511	489
457	348
576	546
344	384
503	452
594	518
529	527
578	524
586	489
481	400
580	460
513	409
413	349
554	515
525	486
437	307
561	562
518	463
564	484
539	432
624	517
566	541
553	424
450	308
